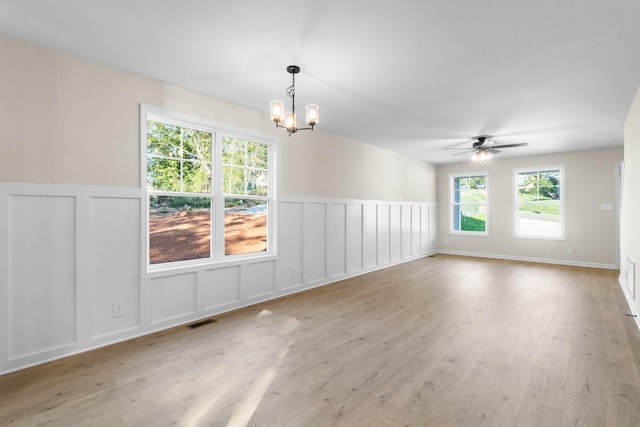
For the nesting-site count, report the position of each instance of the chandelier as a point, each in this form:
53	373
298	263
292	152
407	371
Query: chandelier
277	108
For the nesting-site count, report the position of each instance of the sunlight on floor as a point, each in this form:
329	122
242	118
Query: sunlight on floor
247	407
278	336
198	411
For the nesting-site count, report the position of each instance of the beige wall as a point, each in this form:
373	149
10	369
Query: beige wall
590	231
630	207
331	166
64	120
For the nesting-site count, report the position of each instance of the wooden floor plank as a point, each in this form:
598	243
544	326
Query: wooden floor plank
443	341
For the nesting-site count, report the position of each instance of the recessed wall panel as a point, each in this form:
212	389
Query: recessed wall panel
415	230
433	228
173	296
424	229
314	242
395	233
289	267
336	239
354	238
258	279
220	286
383	234
369	236
42	288
115	263
406	231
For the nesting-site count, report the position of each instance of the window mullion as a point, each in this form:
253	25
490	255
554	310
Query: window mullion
218	221
246	168
180	150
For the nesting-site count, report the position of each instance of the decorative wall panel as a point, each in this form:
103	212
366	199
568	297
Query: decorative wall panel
314	242
220	287
395	233
114	264
173	296
354	238
289	269
384	238
42	286
370	235
336	239
258	280
70	255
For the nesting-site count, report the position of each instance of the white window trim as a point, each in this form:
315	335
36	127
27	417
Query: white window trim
563	211
453	176
217	258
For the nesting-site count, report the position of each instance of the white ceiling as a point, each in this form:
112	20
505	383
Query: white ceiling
413	76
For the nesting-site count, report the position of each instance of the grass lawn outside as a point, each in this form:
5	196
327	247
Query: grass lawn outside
530	203
470	223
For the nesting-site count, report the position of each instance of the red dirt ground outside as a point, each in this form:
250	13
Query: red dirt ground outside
186	235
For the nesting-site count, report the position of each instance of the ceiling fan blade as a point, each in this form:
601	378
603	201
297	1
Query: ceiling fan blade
457	144
463	152
492	150
521	144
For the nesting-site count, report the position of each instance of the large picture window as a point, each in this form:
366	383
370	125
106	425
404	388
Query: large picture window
469	213
208	192
539	207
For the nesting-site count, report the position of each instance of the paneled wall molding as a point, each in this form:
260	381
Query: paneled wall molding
69	253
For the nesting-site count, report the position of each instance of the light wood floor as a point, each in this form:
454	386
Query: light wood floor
442	341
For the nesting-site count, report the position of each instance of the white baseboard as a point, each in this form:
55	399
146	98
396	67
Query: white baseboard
529	259
630	302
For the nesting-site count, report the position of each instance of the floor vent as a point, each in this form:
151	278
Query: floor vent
201	323
631	277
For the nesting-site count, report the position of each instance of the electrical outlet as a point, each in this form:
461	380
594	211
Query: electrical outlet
118	307
569	251
292	273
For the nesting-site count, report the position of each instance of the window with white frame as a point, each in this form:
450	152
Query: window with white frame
539	202
469	203
208	192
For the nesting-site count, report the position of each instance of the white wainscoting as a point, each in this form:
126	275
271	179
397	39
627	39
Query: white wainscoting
114	262
41	271
68	253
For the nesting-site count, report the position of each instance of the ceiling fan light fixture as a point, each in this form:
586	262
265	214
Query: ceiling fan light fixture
277	108
481	156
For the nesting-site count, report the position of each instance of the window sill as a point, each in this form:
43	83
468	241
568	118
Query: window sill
469	233
554	238
170	269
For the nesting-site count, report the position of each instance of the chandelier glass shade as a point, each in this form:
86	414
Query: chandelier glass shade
287	120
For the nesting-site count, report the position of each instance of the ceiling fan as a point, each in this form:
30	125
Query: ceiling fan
484	148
